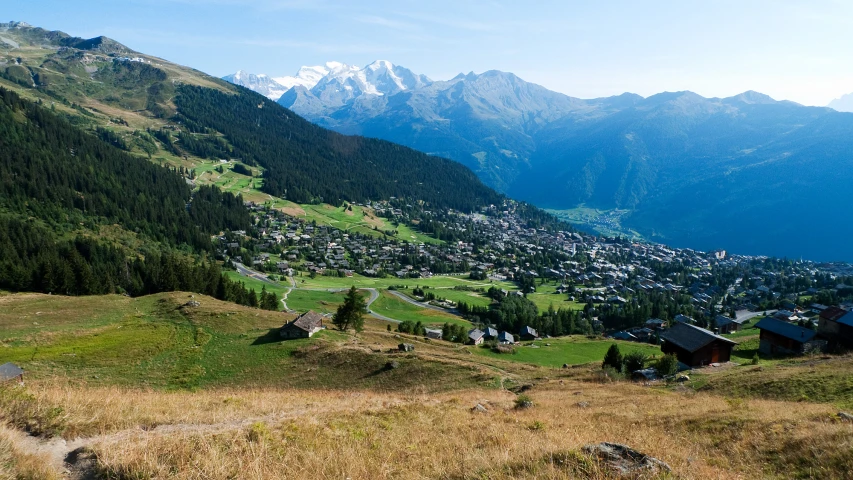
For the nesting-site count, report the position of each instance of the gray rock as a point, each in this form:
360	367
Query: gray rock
625	460
683	378
392	365
478	408
406	347
582	404
565	365
192	303
844	416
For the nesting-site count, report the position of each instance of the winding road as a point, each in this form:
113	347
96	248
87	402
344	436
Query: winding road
374	293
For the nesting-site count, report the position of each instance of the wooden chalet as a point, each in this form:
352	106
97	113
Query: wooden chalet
779	337
836	325
696	346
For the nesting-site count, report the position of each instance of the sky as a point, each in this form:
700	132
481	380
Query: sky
791	50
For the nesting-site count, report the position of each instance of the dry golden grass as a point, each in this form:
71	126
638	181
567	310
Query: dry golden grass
330	434
18	465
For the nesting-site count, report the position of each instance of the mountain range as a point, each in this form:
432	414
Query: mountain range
741	172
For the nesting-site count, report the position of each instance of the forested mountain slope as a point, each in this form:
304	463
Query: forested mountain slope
79	216
178	116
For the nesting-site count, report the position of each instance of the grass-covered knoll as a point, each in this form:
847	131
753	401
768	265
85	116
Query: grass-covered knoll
393	307
572	350
319	301
158	342
817	379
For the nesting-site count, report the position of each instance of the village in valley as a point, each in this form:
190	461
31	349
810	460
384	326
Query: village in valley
698	306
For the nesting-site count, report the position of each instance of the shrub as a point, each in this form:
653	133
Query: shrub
634	361
755	359
24	411
667	365
523	401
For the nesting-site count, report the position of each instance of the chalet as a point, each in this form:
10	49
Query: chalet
528	333
506	338
475	337
684	319
623	335
655	324
696	346
10	372
781	337
490	334
304	326
725	324
434	333
836	325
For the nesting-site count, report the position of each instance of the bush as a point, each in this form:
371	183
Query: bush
523	401
634	361
755	359
667	365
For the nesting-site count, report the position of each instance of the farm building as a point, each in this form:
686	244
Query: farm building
304	326
506	338
10	372
780	337
528	333
696	346
475	336
434	333
836	325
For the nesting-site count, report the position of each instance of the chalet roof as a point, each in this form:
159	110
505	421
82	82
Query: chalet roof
833	313
475	334
785	329
691	337
491	332
528	331
8	371
307	321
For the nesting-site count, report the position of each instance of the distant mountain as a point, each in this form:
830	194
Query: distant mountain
708	173
843	103
262	84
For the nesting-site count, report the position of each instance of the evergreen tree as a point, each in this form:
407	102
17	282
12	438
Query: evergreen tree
613	358
350	314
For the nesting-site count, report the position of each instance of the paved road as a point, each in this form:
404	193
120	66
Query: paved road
409	299
248	272
744	315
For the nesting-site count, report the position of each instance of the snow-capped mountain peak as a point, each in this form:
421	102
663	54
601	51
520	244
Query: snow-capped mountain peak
336	82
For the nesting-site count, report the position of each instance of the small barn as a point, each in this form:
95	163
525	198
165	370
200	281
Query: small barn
475	336
696	346
304	326
490	333
434	333
528	333
506	338
9	372
780	337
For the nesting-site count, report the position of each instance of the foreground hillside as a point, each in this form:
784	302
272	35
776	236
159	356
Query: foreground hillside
155	387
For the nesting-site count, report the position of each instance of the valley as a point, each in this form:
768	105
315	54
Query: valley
198	283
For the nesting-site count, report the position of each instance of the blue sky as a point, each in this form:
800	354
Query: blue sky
795	50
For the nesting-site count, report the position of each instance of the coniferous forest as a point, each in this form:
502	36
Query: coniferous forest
60	186
305	163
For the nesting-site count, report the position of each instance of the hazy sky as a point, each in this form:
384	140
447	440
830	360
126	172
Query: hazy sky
795	50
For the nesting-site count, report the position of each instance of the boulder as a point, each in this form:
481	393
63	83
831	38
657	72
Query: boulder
565	365
683	378
846	417
392	365
192	303
406	347
582	404
479	408
625	460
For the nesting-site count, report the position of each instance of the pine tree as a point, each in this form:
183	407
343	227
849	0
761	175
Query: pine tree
613	358
351	313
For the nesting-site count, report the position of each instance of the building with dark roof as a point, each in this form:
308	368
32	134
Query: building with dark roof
11	372
696	346
836	326
779	337
304	326
475	336
528	333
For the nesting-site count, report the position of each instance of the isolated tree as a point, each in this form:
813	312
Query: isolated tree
351	313
613	358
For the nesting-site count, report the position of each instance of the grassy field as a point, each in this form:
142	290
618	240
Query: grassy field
438	281
471	298
155	342
393	307
319	301
572	350
151	388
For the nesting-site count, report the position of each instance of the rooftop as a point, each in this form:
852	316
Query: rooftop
691	337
